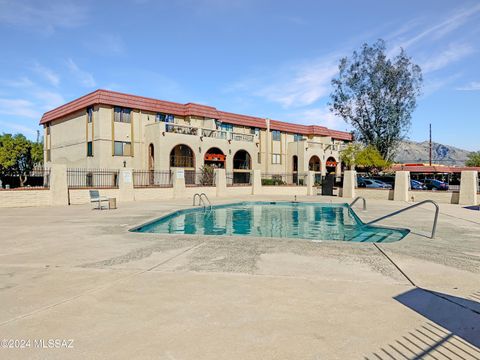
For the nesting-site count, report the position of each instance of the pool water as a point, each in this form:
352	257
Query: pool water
312	221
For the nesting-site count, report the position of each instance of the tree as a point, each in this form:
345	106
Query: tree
377	96
366	157
473	159
371	160
18	155
349	155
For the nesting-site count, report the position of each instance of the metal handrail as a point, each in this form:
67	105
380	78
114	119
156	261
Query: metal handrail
201	200
360	198
437	209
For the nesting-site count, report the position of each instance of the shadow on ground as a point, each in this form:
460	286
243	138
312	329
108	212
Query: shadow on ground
452	332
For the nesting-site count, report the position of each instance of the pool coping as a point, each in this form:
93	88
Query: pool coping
136	229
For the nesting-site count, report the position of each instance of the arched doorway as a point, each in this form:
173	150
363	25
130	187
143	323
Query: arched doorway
151	164
295	169
151	157
215	158
182	156
242	164
331	165
242	160
314	164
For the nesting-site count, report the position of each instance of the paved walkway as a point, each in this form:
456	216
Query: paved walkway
74	273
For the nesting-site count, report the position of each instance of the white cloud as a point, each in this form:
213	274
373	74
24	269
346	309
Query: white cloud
25	130
453	53
107	44
473	86
44	16
436	30
85	78
49	99
48	74
19	107
321	116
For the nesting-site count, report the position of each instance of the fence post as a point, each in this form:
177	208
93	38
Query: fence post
179	183
349	182
125	185
59	184
468	188
256	182
402	186
221	182
310	182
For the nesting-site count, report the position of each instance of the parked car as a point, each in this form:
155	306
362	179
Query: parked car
372	184
417	185
433	184
387	179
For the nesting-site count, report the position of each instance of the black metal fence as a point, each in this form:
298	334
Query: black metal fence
152	178
280	179
195	178
38	178
92	178
239	178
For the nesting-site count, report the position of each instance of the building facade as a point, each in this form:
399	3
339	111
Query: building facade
111	130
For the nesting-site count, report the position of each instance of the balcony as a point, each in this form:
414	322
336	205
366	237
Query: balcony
216	134
207	133
181	129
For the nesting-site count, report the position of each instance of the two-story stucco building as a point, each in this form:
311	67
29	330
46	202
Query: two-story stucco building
106	129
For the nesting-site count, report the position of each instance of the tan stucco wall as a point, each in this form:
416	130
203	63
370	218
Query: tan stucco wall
25	198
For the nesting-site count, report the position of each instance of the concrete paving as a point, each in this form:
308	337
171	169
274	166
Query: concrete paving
73	273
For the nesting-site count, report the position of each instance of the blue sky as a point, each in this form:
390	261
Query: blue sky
258	57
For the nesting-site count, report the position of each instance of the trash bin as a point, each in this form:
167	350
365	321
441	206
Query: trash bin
112	203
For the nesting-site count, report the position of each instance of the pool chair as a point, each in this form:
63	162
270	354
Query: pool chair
96	198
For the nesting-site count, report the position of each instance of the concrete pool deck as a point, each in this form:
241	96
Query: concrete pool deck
75	273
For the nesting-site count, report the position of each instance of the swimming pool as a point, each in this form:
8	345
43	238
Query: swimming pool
296	220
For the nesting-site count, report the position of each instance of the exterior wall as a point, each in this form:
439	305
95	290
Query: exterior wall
443	197
376	194
68	143
25	198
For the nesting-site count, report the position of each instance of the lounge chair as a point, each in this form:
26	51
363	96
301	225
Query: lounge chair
96	198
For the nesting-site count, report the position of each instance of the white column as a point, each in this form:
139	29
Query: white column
125	185
402	186
468	188
349	182
179	183
221	182
256	182
59	184
310	183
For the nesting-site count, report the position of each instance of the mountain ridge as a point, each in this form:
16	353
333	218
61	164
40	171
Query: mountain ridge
418	152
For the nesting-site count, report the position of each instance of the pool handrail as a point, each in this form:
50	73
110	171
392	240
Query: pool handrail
435	220
360	198
201	200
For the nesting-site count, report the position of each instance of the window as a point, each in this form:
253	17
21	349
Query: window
254	131
161	117
90	114
297	137
276	158
89	148
122	148
276	135
48	129
226	127
122	114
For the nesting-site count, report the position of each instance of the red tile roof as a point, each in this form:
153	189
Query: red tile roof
113	98
432	169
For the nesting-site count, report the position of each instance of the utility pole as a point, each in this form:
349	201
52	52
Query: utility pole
430	155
